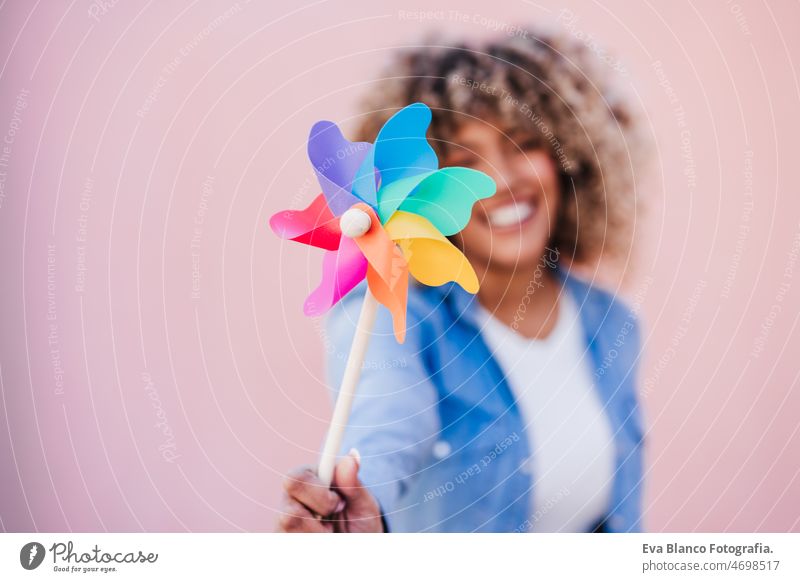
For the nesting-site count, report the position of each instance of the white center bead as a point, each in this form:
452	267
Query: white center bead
354	223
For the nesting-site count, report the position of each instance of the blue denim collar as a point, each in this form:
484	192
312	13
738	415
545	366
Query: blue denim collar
593	312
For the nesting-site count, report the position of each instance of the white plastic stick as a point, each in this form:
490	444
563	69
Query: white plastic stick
344	401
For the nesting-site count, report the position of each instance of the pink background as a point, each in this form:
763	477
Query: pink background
137	396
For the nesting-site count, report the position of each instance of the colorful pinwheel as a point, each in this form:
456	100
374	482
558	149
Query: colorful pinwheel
385	211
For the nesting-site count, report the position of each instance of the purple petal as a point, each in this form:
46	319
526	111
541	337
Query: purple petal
336	161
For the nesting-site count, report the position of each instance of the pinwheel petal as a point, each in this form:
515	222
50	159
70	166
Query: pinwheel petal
445	197
432	259
341	271
387	274
391	196
401	150
336	161
315	225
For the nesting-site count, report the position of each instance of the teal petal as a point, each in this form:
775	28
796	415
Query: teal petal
392	196
445	197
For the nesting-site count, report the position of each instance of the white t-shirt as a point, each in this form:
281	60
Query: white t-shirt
572	445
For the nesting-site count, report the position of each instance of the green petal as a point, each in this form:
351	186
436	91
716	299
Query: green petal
390	197
445	197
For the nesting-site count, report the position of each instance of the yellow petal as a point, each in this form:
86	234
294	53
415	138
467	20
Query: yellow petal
432	259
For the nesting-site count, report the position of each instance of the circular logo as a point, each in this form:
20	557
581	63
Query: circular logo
31	555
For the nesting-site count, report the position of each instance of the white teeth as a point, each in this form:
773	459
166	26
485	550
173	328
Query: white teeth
510	214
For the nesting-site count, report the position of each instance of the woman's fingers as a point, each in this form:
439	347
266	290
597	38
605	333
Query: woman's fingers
310	506
296	518
363	513
304	486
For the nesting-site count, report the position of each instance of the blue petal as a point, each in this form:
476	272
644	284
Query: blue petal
401	150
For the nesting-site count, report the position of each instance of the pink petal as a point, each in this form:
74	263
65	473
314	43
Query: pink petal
341	271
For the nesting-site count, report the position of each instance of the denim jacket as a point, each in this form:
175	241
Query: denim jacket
443	444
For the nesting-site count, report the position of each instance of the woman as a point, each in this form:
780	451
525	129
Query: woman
513	410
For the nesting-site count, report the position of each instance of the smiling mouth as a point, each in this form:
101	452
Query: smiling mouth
511	215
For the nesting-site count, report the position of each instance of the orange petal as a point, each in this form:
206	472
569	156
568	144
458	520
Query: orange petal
387	274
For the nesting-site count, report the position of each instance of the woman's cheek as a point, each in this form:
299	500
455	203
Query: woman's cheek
475	240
